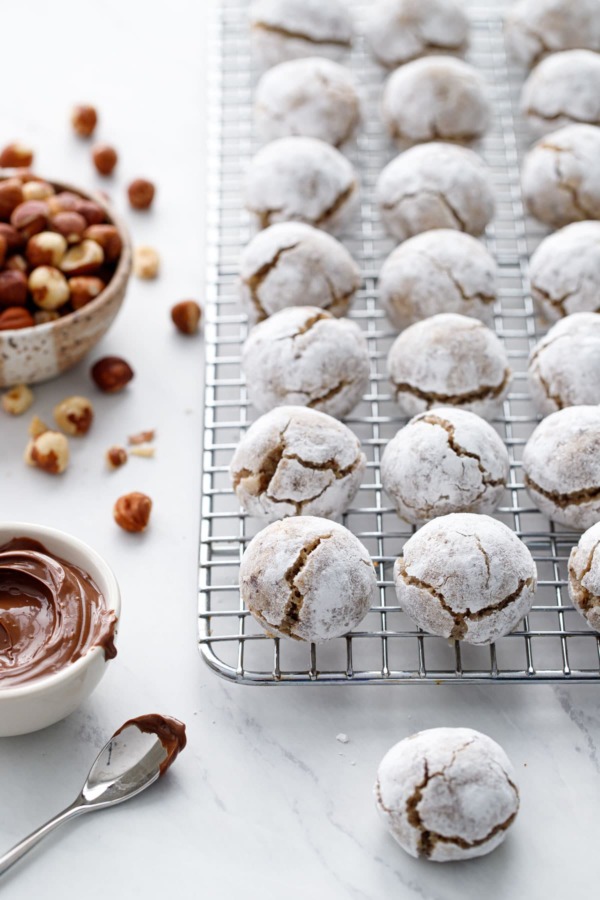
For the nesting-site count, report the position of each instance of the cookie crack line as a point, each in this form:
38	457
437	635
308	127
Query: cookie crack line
447	270
269	465
563	182
328	395
310	323
264	215
574	498
450	430
586	599
255	280
396	204
334	468
298	35
433	399
293	607
337	204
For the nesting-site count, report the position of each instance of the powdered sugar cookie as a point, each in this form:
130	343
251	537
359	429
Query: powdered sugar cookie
584	576
290	29
535	28
401	30
564	271
562	90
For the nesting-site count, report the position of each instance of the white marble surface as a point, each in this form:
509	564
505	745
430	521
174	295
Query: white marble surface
265	802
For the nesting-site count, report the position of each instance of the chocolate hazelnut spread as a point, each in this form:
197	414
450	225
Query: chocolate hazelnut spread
170	732
51	613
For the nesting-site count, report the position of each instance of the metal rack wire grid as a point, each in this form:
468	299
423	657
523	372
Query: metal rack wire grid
552	643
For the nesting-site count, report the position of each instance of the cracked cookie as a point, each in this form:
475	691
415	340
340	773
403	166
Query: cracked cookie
295	461
312	97
564	271
301	179
303	356
292	264
561	466
447	794
435	185
584	576
307	578
563	89
439	271
448	360
561	177
437	98
401	30
564	367
465	577
290	29
446	460
536	28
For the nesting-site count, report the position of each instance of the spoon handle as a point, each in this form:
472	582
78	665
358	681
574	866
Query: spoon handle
24	846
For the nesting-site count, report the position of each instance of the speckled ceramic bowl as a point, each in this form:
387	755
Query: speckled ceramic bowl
29	355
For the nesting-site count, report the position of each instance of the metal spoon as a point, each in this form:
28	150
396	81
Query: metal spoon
130	762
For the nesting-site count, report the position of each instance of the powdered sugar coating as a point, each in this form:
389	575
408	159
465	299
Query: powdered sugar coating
448	360
564	271
297	461
303	356
401	30
435	98
564	366
301	179
290	29
292	264
465	577
447	794
312	97
435	272
584	576
561	465
446	460
564	88
307	578
561	176
435	185
535	28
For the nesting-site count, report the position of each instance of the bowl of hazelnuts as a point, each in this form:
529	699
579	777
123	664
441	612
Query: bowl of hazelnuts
65	260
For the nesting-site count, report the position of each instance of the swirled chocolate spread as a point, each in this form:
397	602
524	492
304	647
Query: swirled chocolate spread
170	732
51	613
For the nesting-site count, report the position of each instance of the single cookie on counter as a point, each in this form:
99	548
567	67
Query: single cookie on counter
401	30
536	28
447	794
303	356
564	366
436	272
562	90
561	176
293	264
437	98
465	577
307	578
295	461
564	271
312	97
301	179
449	360
561	465
291	29
584	576
445	460
435	185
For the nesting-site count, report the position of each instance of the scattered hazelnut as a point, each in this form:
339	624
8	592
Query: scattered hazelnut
132	511
144	450
36	427
43	316
49	287
64	201
74	415
13	288
15	155
111	374
141	438
104	158
15	317
116	457
109	239
84	288
46	249
30	217
48	451
71	225
91	212
83	258
14	239
37	190
84	120
17	400
16	263
186	315
11	194
146	262
141	193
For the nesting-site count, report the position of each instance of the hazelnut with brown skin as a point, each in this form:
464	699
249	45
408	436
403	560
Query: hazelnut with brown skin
91	212
46	248
109	239
30	217
37	190
84	120
74	415
11	195
84	288
70	224
141	193
48	287
186	316
116	457
17	400
3	249
104	158
14	239
83	258
15	155
49	451
15	317
111	374
132	512
13	288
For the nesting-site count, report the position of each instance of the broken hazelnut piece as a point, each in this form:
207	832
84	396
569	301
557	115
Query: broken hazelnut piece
48	451
111	374
116	457
15	155
15	317
84	120
109	239
11	195
17	400
85	288
71	225
30	217
141	193
142	437
83	258
74	415
36	427
37	190
13	288
146	262
186	316
49	287
144	450
132	511
46	249
104	158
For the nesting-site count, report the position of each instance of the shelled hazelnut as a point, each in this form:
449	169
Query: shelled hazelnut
85	288
141	193
46	248
104	158
109	239
48	451
116	457
70	224
83	259
186	316
17	400
48	287
13	288
30	217
37	190
15	155
132	511
146	262
15	317
11	195
36	427
111	374
84	120
74	415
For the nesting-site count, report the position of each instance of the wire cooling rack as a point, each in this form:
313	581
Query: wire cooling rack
552	643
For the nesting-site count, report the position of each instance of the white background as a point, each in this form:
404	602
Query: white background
264	803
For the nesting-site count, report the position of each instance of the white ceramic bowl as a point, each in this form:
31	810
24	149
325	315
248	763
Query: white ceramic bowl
46	700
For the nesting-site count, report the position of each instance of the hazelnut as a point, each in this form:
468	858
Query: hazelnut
36	427
17	400
30	217
74	415
46	249
15	155
186	315
104	158
48	451
111	374
144	450
141	193
91	212
13	288
16	263
116	457
109	239
49	287
37	190
11	194
3	249
141	438
84	120
132	511
64	201
146	262
70	224
15	317
83	258
43	316
14	239
84	288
